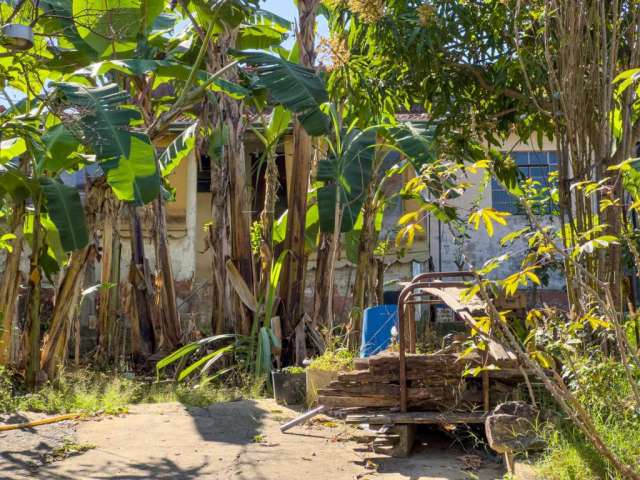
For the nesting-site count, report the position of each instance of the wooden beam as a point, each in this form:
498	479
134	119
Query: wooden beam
423	418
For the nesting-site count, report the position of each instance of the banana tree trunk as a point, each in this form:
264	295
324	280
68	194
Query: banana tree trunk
9	285
362	292
67	299
231	210
110	280
322	307
33	301
169	316
240	203
217	246
267	220
293	279
143	339
333	258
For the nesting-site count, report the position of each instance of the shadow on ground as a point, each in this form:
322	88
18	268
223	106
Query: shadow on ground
237	423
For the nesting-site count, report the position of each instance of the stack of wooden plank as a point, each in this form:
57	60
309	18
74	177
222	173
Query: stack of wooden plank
435	382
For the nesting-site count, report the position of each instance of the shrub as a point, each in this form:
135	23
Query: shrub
334	360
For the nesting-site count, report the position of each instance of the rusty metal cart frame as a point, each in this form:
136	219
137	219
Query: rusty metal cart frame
429	285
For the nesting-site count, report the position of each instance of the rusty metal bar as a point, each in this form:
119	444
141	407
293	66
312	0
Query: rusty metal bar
419	281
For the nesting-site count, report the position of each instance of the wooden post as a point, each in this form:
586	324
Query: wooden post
485	383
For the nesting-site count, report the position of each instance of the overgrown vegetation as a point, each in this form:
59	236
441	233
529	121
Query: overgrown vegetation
603	390
334	360
91	393
124	96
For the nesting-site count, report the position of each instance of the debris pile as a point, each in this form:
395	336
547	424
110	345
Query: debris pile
436	382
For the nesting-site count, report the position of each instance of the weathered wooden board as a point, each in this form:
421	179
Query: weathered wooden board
427	418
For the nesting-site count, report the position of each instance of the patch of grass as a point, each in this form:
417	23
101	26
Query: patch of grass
293	369
603	389
83	392
67	449
334	360
91	392
570	456
258	438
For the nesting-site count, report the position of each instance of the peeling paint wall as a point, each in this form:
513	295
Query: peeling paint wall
480	247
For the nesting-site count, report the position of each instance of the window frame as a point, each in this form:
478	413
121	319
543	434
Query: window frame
502	200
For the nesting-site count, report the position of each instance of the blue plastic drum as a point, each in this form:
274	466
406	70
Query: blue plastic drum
377	323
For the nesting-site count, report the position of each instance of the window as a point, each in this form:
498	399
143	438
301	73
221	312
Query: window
204	174
534	165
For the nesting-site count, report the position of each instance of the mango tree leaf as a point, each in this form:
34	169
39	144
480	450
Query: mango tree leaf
67	213
295	87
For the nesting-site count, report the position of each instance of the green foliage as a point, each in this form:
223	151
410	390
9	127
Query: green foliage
334	360
104	124
67	449
90	392
78	392
178	150
293	370
109	25
295	87
346	174
603	390
64	205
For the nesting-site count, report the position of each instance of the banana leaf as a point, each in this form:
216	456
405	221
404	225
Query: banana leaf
67	213
127	156
293	86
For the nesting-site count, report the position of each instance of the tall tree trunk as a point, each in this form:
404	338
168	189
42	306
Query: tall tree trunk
293	279
10	283
240	206
67	298
143	339
220	322
110	280
165	284
322	307
366	274
231	209
33	300
267	219
365	269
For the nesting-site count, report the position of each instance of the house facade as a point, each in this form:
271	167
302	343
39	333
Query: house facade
440	248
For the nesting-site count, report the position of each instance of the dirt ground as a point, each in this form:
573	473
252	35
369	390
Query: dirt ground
235	440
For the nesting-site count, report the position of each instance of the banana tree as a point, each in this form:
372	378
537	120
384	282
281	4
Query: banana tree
349	201
54	223
270	136
346	174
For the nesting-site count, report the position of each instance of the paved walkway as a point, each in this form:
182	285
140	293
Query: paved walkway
234	440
